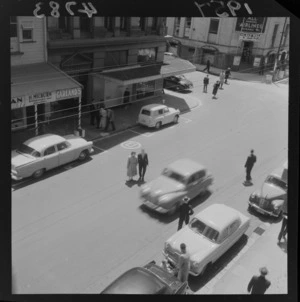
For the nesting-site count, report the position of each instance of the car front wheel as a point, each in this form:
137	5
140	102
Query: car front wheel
38	173
158	125
83	155
176	119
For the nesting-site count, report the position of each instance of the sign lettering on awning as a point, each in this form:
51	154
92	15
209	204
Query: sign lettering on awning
249	36
43	97
68	93
251	24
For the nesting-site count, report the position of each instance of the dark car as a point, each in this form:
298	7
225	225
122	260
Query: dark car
148	280
178	83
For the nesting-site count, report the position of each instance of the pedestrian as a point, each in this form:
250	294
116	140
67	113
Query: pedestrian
262	67
215	89
207	66
97	114
143	163
92	112
185	211
205	83
222	79
103	121
251	160
283	230
132	166
259	284
183	264
110	119
126	98
227	74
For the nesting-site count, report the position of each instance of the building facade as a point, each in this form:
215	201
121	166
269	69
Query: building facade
241	43
109	55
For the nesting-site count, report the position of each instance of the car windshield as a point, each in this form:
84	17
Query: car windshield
174	175
201	228
146	112
277	182
181	77
28	150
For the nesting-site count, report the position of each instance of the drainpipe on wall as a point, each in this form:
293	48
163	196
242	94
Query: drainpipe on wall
45	40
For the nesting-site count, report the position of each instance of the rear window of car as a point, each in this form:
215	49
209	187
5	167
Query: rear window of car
28	150
200	227
146	112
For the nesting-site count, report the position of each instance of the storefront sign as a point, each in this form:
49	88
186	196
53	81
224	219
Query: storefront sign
18	102
251	25
236	60
68	93
249	36
256	62
43	97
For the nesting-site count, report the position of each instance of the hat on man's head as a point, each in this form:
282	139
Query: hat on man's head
186	199
263	270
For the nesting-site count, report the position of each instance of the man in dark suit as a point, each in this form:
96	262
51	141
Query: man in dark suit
283	230
143	163
259	284
251	160
185	211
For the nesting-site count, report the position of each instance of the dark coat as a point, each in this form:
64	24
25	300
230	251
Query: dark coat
251	159
185	210
258	285
208	63
143	161
216	87
126	97
206	81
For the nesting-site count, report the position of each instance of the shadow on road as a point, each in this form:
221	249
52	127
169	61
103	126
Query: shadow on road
169	218
196	283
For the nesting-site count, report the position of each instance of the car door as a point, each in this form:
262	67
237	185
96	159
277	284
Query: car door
167	115
66	153
51	158
160	116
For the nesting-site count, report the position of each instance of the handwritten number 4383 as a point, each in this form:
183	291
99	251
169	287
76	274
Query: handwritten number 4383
87	9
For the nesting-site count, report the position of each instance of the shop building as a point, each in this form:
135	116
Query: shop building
37	87
111	55
241	43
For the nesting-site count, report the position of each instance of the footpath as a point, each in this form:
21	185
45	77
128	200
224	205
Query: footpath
124	118
261	250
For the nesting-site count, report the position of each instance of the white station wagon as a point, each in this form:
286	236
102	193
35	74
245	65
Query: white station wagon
45	152
156	115
207	237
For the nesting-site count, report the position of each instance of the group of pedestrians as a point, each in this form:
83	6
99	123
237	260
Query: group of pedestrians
133	161
103	117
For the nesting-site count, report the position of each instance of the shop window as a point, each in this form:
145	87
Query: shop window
123	23
177	26
85	24
17	115
109	23
142	23
147	55
154	22
145	90
13	27
214	26
64	24
115	59
187	26
27	31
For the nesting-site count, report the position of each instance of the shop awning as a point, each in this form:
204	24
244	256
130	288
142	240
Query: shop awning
139	74
33	79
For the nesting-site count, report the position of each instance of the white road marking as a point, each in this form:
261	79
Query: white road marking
131	145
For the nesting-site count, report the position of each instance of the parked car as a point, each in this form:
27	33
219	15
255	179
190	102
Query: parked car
148	280
181	178
178	82
156	115
45	152
272	194
207	237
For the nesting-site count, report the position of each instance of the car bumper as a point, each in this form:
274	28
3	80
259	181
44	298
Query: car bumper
146	124
14	176
155	207
262	211
91	150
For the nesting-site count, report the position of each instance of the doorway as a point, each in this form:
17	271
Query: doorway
247	52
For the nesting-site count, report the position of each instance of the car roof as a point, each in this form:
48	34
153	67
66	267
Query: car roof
185	166
218	216
43	141
137	280
153	107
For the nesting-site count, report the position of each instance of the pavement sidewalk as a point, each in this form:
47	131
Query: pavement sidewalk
261	250
124	118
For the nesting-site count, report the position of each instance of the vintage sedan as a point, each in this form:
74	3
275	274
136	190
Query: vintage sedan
207	237
148	280
156	115
45	152
178	83
181	178
272	194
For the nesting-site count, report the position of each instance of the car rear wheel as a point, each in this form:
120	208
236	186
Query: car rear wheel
38	173
176	119
158	125
83	155
206	269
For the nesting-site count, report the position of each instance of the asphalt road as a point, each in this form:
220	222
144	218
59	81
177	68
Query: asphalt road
81	226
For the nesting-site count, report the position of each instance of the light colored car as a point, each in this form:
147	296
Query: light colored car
181	178
272	194
207	237
156	115
45	152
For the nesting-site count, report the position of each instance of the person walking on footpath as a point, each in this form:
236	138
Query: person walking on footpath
227	74
215	89
251	160
222	79
183	264
110	119
132	166
103	120
205	84
93	112
185	211
207	66
262	67
259	284
143	163
98	115
283	230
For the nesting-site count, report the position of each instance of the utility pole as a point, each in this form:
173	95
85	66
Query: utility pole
276	59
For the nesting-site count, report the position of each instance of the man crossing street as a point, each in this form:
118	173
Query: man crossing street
185	211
